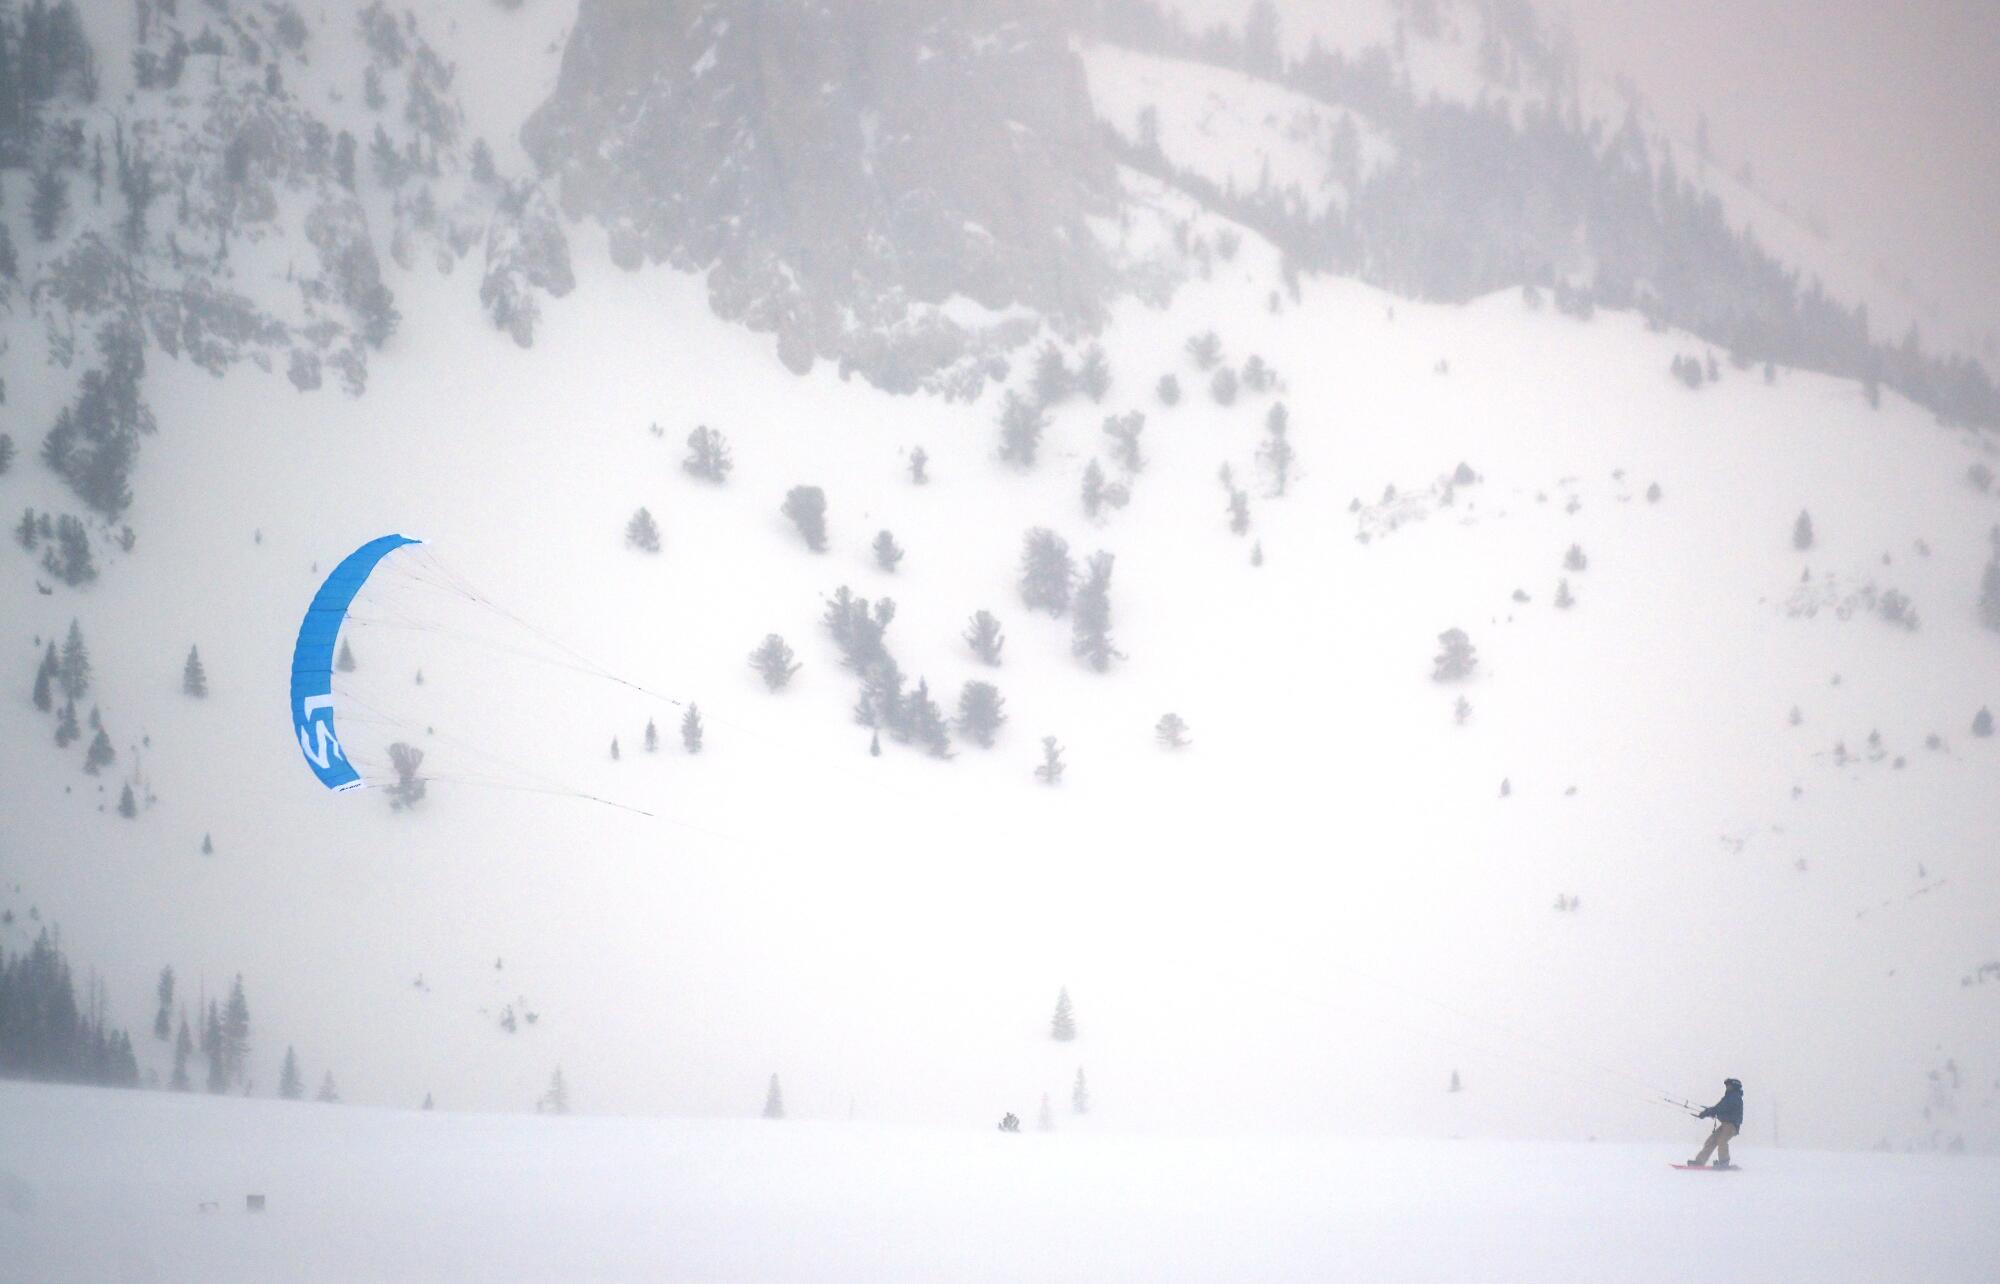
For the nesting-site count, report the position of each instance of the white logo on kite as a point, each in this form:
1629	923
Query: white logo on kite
323	753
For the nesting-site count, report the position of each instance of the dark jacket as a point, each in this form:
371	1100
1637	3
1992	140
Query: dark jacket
1729	1110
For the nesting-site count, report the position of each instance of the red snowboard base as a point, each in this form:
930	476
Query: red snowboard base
1709	1168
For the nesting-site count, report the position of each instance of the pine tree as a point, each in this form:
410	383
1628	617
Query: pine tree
207	845
128	806
1205	350
290	1085
406	760
48	202
74	673
194	679
983	635
1455	1085
774	1100
183	1049
163	1020
45	679
1564	599
66	729
926	722
1053	381
1091	640
1093	489
806	507
887	554
1989	595
1461	711
981	711
1021	426
236	1032
691	729
918	461
1079	1095
652	737
774	663
1276	453
1802	531
1574	560
6	453
1124	432
345	661
1093	373
642	532
26	534
1051	770
1222	386
556	1100
1982	723
708	455
1062	1026
99	754
614	749
1171	732
1046	571
1457	661
327	1092
212	1047
1169	390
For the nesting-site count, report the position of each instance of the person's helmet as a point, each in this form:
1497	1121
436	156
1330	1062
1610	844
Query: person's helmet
1733	1083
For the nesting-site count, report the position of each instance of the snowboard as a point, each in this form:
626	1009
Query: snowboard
1709	1168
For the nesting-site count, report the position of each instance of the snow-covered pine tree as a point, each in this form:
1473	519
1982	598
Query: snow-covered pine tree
1222	386
327	1092
982	634
652	737
1168	390
1457	660
1455	1085
207	845
926	722
806	507
774	1100
1204	350
1062	1025
1564	598
74	671
1574	561
1093	373
99	754
1461	711
1124	432
691	729
708	455
642	532
1171	731
194	678
614	749
128	806
1051	770
981	711
163	1020
1046	571
27	534
1079	1095
1982	722
6	453
345	660
1021	426
1802	531
887	552
774	663
1093	489
1092	633
212	1048
1052	382
45	680
919	460
556	1100
66	729
1989	595
183	1050
1277	454
290	1085
236	1032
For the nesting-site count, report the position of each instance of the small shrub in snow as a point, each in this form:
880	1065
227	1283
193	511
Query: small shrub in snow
1461	711
887	552
1171	732
1653	493
1124	432
1980	474
1802	531
1050	772
1205	350
983	635
1169	390
919	460
1894	606
1982	723
1222	387
1574	560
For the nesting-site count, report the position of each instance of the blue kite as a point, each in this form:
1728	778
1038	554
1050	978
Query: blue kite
312	662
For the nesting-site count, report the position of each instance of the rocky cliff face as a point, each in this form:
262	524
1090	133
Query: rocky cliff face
844	167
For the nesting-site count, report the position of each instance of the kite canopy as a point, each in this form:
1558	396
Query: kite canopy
312	662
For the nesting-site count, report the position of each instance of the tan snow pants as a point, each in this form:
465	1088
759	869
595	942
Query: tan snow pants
1718	1142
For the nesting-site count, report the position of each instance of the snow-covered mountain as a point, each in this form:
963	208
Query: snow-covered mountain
1705	795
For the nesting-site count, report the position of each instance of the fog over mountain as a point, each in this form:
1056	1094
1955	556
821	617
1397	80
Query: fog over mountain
639	619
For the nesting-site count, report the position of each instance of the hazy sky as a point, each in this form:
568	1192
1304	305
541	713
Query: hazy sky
1879	116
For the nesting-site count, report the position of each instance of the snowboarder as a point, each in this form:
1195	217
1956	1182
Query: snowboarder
1728	1116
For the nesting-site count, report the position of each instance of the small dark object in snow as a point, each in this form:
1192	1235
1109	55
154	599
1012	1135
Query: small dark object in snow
253	1203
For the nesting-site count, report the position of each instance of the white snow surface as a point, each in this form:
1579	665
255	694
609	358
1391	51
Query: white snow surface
98	1185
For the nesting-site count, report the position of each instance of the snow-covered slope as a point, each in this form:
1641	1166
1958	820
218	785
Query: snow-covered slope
96	1185
1311	916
